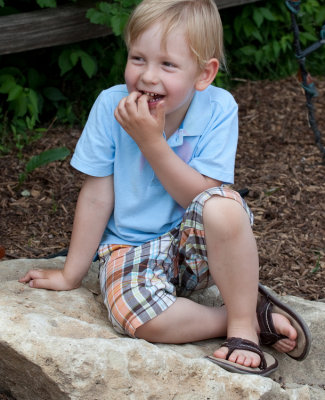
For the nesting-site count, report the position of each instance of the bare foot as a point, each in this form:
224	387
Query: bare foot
284	327
249	359
242	357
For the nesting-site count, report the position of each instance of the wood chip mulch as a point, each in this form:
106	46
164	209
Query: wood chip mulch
277	161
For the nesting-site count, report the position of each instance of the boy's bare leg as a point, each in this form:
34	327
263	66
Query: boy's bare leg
185	321
234	266
233	263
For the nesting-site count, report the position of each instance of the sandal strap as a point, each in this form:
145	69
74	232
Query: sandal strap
235	343
268	334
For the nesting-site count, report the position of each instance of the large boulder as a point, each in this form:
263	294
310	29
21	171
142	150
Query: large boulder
60	345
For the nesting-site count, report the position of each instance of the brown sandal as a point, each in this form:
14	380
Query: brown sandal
268	363
266	305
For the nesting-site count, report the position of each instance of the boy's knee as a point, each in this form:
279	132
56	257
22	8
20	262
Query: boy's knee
224	217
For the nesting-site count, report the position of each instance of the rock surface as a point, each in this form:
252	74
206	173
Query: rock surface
60	345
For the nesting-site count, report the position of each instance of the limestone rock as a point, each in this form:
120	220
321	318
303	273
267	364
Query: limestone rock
60	345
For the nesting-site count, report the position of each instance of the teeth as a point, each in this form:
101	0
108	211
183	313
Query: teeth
150	94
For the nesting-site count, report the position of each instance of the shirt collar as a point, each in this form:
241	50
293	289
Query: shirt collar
198	115
196	119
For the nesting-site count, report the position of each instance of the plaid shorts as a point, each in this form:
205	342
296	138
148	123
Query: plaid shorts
139	283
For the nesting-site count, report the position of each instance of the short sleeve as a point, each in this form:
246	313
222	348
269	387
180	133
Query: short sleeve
215	152
95	150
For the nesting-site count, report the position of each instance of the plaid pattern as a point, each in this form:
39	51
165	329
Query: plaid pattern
139	283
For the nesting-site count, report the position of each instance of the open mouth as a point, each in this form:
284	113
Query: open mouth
153	98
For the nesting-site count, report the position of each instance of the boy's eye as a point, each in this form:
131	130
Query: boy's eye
168	64
136	59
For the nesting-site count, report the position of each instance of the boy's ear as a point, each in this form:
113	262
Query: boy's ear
208	74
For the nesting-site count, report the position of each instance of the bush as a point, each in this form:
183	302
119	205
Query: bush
259	39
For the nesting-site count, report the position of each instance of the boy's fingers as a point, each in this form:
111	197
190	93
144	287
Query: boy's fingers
135	95
117	114
161	112
41	284
44	279
131	101
143	103
120	106
32	274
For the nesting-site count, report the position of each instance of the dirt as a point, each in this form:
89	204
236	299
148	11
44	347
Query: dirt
277	161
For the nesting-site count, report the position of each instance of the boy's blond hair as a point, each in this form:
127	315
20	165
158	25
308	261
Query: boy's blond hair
200	18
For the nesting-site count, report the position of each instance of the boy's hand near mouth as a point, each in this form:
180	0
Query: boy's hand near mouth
143	123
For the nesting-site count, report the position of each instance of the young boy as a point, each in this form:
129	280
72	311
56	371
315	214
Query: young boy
148	149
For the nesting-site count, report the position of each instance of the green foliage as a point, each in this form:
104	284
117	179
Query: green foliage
259	39
70	57
26	93
114	14
46	3
22	109
44	158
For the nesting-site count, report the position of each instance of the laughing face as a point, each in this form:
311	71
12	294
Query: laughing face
165	73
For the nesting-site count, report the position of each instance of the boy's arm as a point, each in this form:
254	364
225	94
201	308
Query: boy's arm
180	180
94	207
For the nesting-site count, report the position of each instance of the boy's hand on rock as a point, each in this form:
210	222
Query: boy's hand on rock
47	279
138	120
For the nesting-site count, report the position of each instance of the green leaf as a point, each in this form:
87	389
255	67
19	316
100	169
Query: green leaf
286	42
32	103
258	56
238	25
19	106
15	92
75	56
30	122
8	83
97	17
258	17
257	35
46	157
105	7
46	3
53	94
249	28
306	36
276	48
118	23
65	63
267	14
248	50
320	16
88	64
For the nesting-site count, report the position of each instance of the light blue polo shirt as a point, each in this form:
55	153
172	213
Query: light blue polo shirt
143	210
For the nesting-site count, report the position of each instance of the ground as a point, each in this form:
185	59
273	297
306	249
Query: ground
277	160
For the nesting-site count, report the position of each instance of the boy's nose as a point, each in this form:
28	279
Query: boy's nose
150	75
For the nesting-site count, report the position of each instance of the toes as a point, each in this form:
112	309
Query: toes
248	362
248	359
290	332
239	357
221	353
285	345
284	327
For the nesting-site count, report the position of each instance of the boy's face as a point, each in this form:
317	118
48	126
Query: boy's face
165	73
